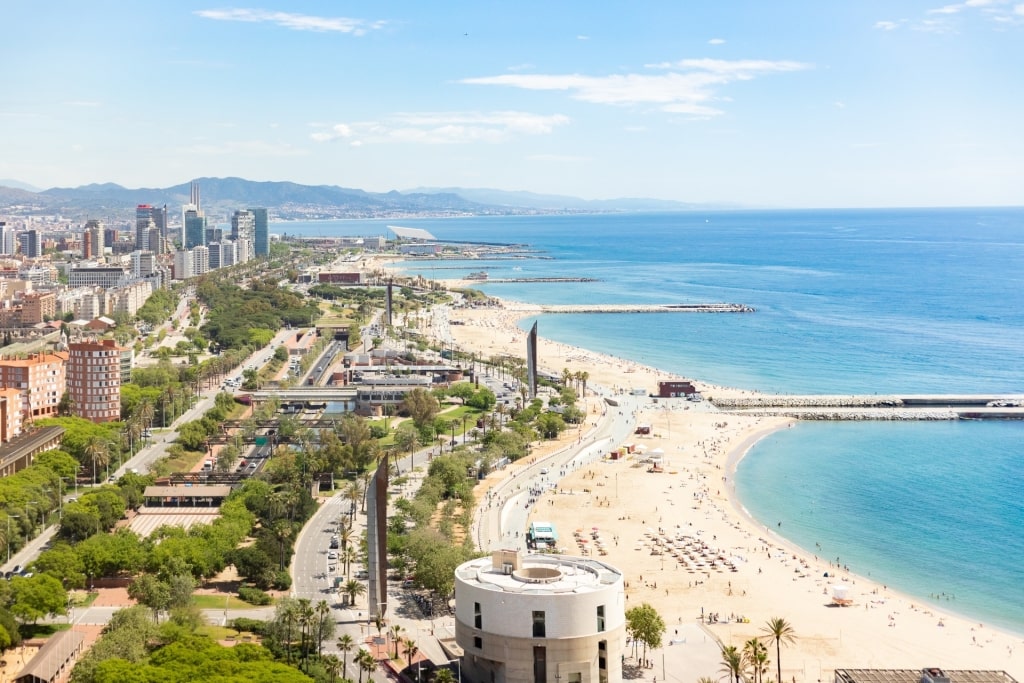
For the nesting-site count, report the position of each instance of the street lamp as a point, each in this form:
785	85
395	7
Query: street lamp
9	517
459	663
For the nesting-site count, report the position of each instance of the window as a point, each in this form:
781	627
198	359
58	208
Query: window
600	618
538	625
478	617
478	642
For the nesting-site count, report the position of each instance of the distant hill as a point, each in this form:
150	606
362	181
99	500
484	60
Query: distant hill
287	200
18	185
221	196
553	202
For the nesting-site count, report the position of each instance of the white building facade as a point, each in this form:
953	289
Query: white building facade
540	618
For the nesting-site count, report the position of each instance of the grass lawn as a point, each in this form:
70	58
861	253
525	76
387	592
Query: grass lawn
83	599
216	601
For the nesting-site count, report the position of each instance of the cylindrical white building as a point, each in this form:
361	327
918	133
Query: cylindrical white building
540	619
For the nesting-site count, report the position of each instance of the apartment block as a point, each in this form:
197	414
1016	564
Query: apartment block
94	379
40	380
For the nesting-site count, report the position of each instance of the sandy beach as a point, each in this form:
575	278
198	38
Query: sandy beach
687	546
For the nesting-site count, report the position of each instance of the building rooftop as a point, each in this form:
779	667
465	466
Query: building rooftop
411	233
540	574
187	491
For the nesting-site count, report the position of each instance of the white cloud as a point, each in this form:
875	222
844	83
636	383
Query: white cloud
887	25
948	9
439	128
840	104
296	22
81	103
582	37
716	41
689	87
997	11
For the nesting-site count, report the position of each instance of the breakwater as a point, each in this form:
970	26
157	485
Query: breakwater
639	308
519	280
889	407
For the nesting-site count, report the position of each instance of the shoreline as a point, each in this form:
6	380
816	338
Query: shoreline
935	634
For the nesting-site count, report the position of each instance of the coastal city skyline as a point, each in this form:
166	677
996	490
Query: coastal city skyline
793	104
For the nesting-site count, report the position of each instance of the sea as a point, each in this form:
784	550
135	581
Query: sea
846	302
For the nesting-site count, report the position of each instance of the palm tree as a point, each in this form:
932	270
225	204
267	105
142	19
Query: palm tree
99	451
306	615
379	622
781	631
395	633
333	666
353	589
283	531
345	537
145	413
345	643
350	555
443	675
732	662
410	650
755	656
323	612
366	663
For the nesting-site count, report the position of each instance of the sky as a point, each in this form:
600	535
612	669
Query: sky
781	103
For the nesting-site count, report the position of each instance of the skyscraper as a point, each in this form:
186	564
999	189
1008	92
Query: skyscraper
243	232
195	227
94	380
143	221
31	244
94	233
6	239
160	219
262	237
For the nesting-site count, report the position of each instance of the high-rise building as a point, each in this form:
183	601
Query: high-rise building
243	232
200	260
214	234
143	221
262	236
40	379
222	254
31	244
94	380
143	263
195	227
110	238
160	220
155	240
183	265
7	239
92	239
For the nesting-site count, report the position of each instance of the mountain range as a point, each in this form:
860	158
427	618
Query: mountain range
287	200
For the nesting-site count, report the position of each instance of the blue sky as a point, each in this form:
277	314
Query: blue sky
766	103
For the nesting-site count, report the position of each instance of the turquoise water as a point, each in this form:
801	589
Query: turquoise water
908	301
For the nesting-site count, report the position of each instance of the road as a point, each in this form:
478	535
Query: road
313	578
501	520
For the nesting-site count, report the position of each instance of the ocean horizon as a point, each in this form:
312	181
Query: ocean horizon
846	302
